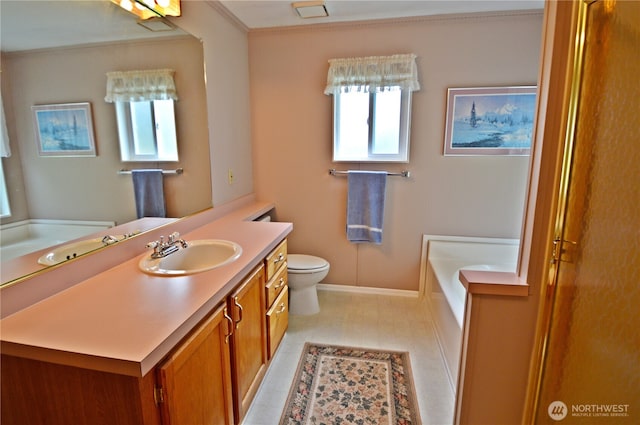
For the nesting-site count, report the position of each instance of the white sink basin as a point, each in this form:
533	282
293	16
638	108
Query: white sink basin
74	249
198	256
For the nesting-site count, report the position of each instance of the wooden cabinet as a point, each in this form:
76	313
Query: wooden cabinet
276	297
276	259
211	377
277	321
195	381
248	340
36	392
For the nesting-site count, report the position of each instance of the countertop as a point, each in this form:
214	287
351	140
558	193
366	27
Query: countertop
124	321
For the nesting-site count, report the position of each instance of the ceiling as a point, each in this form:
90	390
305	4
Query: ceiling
39	24
34	24
268	13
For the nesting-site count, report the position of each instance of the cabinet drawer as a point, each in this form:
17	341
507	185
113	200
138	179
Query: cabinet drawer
276	285
277	321
276	259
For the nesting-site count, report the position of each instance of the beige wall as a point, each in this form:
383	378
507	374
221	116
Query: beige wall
89	188
227	75
291	133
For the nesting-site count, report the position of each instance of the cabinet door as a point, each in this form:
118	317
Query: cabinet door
196	380
277	321
249	342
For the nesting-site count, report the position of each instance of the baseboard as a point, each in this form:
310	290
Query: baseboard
368	290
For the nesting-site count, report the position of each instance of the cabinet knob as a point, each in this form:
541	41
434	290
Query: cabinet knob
279	285
278	259
282	308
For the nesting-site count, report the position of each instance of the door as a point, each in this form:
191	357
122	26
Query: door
249	340
590	368
196	379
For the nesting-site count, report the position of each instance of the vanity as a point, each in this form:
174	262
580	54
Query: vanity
127	347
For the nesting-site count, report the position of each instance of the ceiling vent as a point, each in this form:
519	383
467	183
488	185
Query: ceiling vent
311	9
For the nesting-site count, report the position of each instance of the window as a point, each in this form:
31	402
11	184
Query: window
372	126
147	130
372	107
144	103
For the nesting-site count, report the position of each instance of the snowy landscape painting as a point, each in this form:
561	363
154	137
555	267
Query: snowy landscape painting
490	121
64	129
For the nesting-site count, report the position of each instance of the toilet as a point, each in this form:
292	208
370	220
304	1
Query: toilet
305	272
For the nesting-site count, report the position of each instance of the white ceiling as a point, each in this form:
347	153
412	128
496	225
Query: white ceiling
36	24
270	13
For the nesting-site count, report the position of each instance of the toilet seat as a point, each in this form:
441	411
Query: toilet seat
300	263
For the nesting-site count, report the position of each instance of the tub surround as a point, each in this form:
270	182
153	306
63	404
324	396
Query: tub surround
481	282
23	237
124	321
491	264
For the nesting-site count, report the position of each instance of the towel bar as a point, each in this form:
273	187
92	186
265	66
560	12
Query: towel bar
176	171
403	173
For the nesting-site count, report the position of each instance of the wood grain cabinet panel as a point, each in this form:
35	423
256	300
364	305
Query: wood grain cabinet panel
275	260
36	392
276	285
277	321
248	341
195	381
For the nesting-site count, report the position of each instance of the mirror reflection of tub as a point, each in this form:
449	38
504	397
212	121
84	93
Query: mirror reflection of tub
27	236
445	256
24	242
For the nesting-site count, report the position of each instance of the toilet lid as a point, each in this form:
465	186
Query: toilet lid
305	262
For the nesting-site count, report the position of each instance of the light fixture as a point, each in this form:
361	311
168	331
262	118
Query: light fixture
145	9
311	9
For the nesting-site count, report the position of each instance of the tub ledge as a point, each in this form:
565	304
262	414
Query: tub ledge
480	282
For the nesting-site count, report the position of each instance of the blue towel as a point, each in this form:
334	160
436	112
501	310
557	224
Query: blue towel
149	193
365	205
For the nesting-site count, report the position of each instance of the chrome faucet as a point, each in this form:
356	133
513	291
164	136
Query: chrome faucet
162	249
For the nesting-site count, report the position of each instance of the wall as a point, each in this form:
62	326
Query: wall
292	130
89	187
227	75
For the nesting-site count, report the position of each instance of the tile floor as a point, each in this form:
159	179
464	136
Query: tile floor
361	320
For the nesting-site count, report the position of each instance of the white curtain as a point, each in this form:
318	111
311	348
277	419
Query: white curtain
5	148
136	86
373	73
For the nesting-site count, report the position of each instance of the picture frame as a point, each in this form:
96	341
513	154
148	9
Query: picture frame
490	120
64	129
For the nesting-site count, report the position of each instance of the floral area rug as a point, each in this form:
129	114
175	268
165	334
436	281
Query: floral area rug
342	385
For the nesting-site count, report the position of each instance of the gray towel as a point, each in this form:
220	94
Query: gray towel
149	193
365	205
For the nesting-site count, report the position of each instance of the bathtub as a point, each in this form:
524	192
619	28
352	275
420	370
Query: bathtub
24	237
443	257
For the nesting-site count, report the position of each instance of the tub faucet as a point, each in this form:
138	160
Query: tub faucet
108	240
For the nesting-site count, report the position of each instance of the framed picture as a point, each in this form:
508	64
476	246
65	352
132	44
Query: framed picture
490	120
64	129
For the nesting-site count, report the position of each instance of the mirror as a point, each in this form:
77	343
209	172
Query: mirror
43	63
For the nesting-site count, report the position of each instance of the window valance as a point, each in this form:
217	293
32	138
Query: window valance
132	86
373	73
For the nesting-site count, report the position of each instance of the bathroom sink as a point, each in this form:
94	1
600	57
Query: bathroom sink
75	249
197	257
